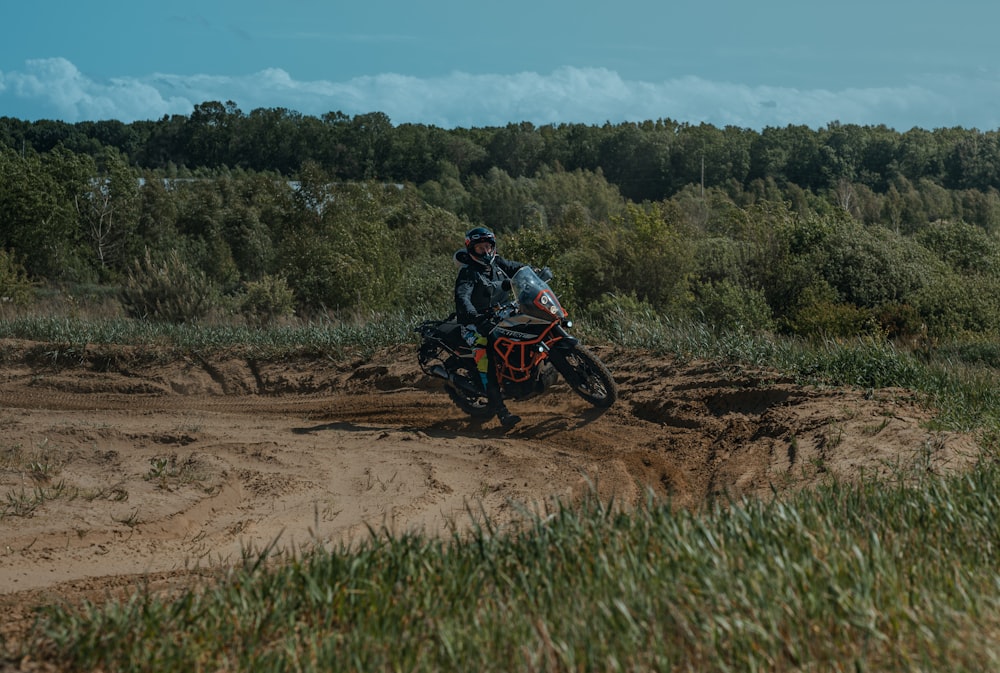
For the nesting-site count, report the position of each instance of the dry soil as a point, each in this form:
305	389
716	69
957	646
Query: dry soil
120	470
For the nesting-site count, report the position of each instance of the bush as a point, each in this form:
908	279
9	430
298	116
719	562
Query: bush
15	288
265	301
726	305
958	304
618	308
168	291
342	255
900	321
870	266
827	319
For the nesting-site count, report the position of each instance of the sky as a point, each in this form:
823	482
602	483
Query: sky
446	63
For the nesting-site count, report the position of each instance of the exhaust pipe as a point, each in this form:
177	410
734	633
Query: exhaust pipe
466	385
457	381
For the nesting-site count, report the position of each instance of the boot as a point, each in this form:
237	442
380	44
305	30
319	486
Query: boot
507	419
495	397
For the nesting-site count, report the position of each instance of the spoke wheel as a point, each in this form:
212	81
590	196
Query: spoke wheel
586	375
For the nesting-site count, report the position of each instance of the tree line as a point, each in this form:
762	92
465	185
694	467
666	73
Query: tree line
647	161
844	229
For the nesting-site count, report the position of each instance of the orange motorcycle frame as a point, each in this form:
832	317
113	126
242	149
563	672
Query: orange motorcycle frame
521	357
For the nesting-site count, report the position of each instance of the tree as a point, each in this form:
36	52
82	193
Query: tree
210	131
501	202
338	252
109	211
871	266
517	150
637	159
411	155
966	248
791	154
370	138
38	216
707	156
275	139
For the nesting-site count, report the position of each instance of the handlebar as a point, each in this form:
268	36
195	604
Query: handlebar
501	311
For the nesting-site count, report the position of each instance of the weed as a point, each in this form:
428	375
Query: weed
872	430
132	520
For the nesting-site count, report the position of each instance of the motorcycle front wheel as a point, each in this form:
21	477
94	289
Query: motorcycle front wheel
586	375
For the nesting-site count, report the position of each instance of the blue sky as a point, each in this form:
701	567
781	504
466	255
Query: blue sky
464	64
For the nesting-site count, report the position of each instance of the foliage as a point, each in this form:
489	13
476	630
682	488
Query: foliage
38	212
901	180
108	213
844	230
966	248
869	266
727	305
167	290
617	309
340	253
15	288
266	301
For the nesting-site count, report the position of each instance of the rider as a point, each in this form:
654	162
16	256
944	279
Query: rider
479	287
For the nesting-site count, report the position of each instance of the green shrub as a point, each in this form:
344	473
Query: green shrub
870	266
15	288
341	255
833	320
726	305
900	320
168	291
959	304
618	308
266	300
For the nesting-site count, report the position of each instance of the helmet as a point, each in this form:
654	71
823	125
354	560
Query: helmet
479	235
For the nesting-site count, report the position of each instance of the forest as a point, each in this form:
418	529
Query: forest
272	215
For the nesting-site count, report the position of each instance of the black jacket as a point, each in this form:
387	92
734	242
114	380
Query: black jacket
479	287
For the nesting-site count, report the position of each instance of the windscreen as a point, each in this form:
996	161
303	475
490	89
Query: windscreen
535	297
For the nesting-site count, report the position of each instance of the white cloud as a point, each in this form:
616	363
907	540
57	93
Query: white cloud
56	88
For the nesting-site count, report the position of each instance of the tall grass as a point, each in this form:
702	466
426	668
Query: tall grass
333	338
869	577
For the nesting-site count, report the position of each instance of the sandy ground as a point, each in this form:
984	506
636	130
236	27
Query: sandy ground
117	470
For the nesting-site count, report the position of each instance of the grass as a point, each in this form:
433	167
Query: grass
958	379
28	480
889	575
64	340
872	577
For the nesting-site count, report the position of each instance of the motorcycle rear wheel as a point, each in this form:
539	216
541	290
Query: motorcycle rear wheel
475	405
586	375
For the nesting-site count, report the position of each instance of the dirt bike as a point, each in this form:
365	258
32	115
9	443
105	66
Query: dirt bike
532	347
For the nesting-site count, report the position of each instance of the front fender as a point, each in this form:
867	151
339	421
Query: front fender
566	342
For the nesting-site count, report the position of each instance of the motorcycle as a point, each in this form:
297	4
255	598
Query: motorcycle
533	349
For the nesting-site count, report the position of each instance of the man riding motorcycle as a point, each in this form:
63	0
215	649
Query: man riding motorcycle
483	283
491	347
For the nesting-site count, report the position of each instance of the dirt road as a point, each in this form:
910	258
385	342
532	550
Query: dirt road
117	469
